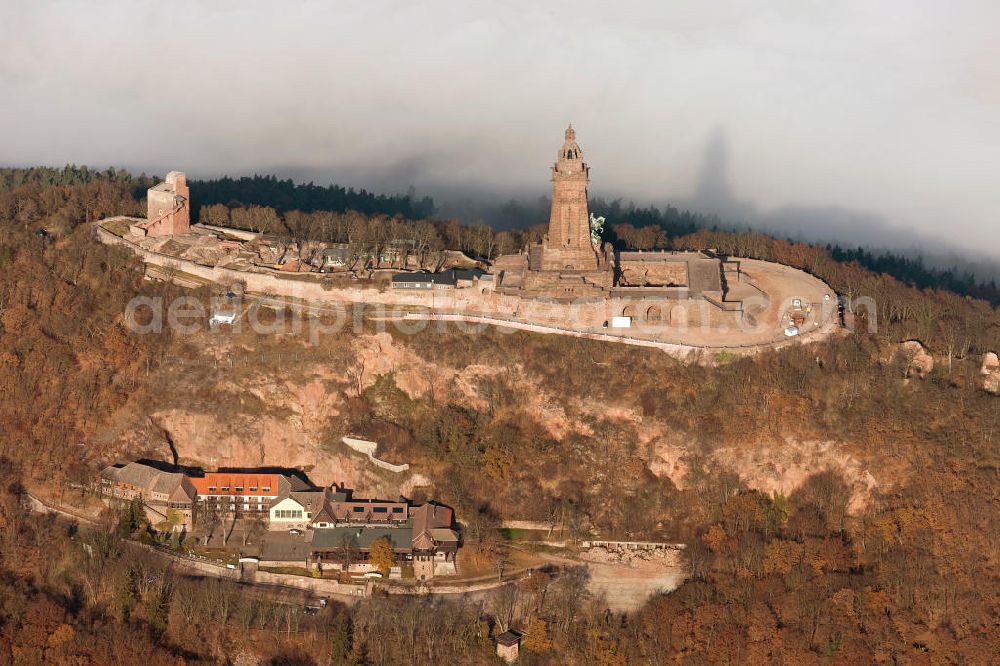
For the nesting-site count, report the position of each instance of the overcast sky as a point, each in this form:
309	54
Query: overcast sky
850	116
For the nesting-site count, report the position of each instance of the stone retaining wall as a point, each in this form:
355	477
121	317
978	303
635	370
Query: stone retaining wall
683	352
446	589
369	448
525	525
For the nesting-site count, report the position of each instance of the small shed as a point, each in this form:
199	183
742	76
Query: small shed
223	317
508	645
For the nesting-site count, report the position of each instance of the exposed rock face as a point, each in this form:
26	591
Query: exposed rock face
295	416
293	440
991	373
920	361
669	460
784	467
779	465
282	419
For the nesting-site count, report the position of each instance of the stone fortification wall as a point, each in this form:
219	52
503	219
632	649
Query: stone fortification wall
314	288
269	281
476	301
229	231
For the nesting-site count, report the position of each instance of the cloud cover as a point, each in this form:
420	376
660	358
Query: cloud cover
888	108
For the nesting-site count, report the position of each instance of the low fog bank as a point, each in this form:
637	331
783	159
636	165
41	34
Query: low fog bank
870	106
827	225
718	189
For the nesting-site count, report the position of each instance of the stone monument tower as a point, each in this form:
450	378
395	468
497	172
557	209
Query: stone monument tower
568	245
567	264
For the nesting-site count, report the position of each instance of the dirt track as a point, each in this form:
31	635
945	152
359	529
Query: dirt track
625	589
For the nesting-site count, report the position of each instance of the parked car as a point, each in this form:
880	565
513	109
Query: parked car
791	331
295	532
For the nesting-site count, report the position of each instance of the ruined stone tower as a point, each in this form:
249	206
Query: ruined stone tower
568	245
168	207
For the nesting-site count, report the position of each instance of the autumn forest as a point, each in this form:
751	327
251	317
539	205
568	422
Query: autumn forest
907	574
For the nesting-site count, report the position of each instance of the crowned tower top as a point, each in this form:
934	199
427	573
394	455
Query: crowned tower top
570	156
